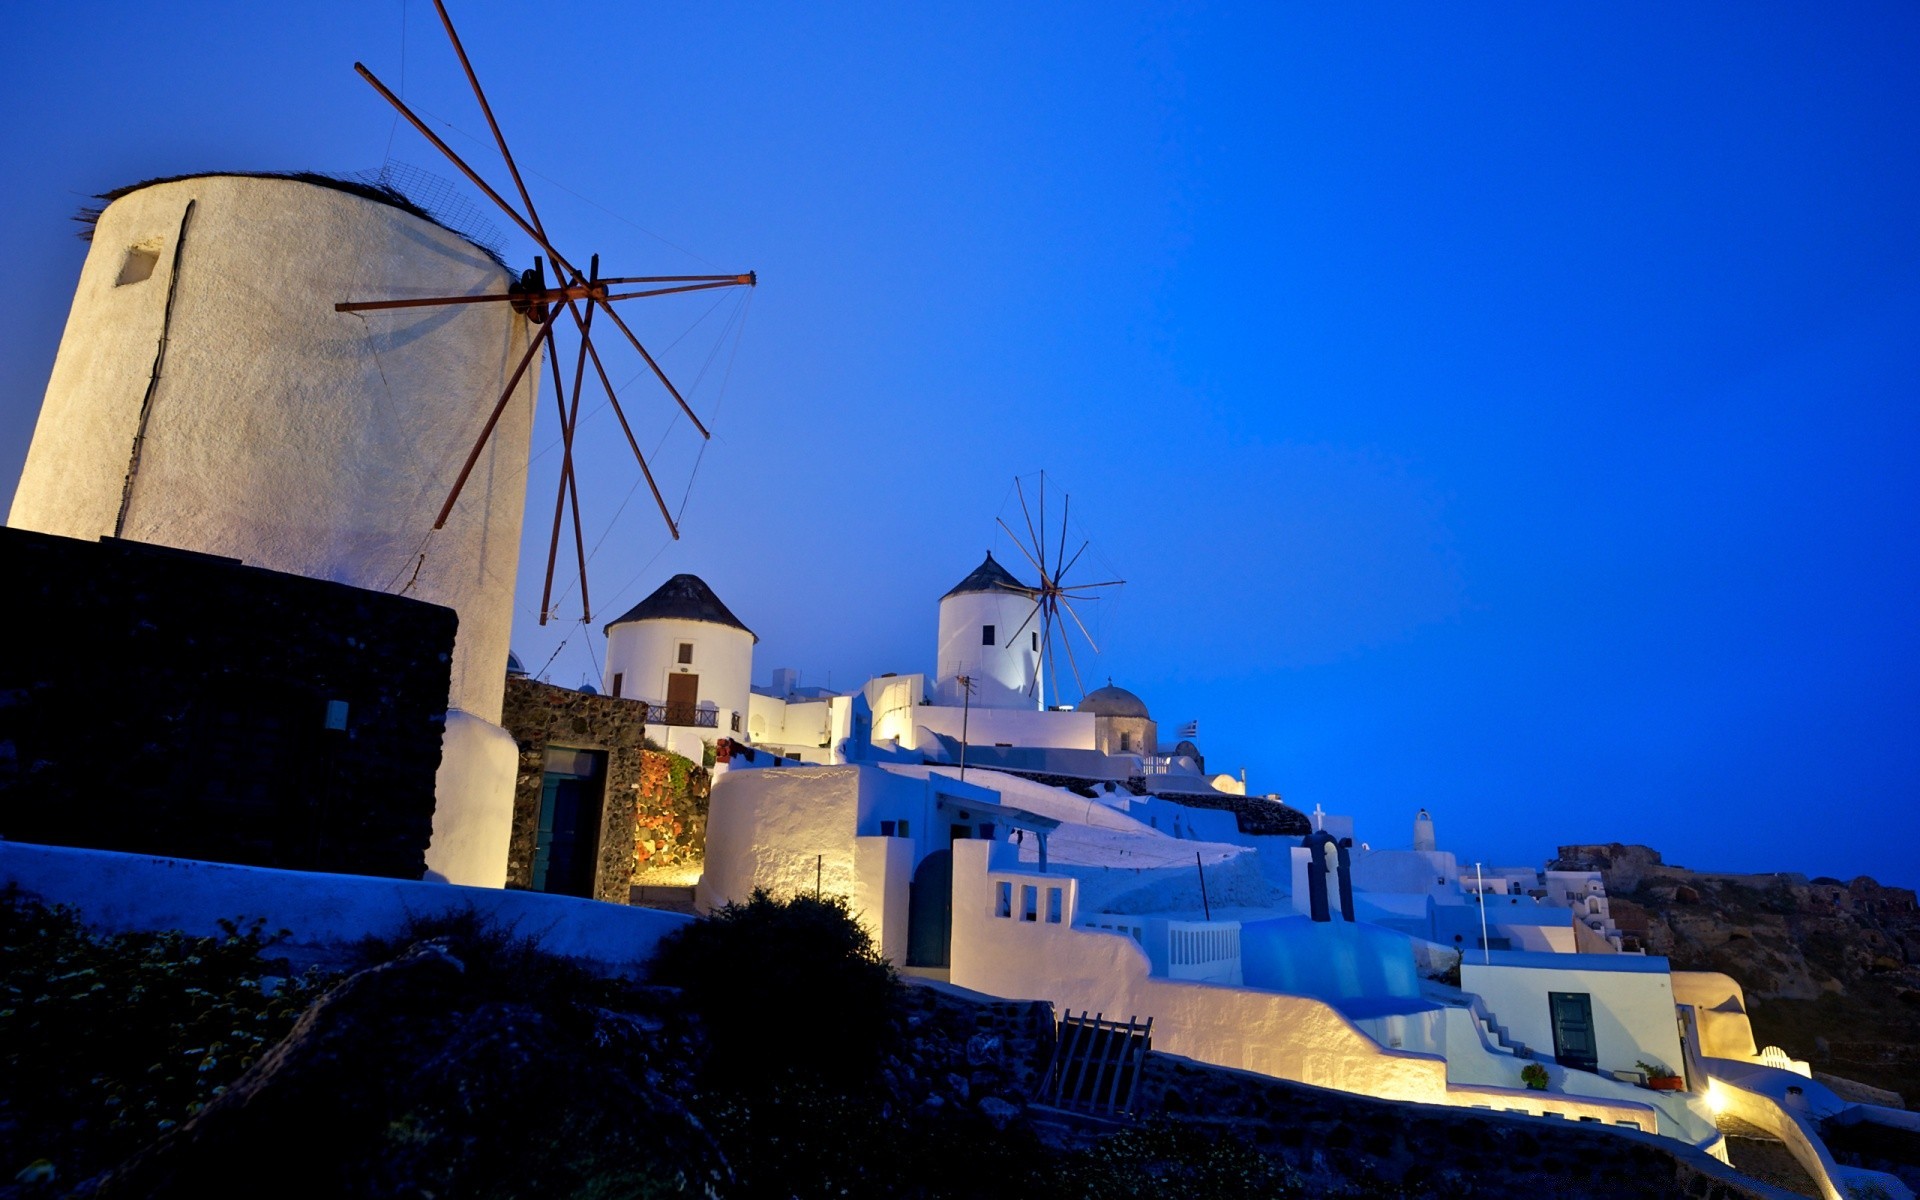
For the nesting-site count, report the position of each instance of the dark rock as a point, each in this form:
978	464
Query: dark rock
409	1079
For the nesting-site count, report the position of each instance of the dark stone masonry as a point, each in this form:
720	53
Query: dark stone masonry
653	812
165	702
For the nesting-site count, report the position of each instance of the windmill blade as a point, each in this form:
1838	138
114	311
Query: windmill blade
493	419
1047	653
1083	627
735	281
1102	583
1034	537
560	494
1023	625
569	418
1074	559
1043	527
613	399
435	301
1066	507
1068	643
559	261
658	373
1022	548
486	110
750	278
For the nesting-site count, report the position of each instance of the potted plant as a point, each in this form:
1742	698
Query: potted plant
1660	1079
1534	1076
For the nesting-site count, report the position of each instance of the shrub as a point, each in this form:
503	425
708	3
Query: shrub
786	987
1534	1076
106	1041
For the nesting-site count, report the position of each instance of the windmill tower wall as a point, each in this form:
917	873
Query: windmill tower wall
1005	672
296	438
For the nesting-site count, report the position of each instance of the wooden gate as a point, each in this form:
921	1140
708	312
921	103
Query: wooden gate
1096	1063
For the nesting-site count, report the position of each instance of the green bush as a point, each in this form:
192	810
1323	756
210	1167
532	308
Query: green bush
786	988
1534	1076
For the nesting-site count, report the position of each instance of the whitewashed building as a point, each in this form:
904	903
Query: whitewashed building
683	652
207	396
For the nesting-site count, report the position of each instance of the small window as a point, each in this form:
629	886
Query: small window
1053	906
1126	743
686	653
903	830
1036	640
986	635
336	714
959	833
138	265
1029	902
986	831
1003	906
618	679
886	829
736	722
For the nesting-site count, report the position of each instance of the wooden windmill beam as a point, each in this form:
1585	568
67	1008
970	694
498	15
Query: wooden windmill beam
559	260
658	373
499	139
493	419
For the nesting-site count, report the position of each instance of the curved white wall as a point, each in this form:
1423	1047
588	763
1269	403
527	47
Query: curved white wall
644	653
290	436
1002	672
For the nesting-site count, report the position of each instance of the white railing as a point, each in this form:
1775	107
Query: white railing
1208	952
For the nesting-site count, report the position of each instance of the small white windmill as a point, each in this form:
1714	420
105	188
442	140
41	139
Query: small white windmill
1054	594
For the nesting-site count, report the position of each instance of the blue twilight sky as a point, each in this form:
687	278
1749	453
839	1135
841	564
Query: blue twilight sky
1507	409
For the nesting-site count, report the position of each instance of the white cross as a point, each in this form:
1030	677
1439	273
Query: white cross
1319	816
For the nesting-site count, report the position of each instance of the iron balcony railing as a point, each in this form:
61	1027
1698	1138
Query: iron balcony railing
683	714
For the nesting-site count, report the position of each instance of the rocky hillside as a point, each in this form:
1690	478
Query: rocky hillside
1831	969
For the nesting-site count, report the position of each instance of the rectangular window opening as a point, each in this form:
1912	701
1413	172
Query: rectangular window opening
138	265
1029	902
686	653
1003	905
986	635
618	679
1053	906
1036	639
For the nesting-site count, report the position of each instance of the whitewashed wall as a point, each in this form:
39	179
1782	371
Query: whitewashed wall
1013	726
296	438
1288	1037
1633	1011
644	653
1002	672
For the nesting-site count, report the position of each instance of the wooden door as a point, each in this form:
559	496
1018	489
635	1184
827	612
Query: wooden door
1573	1040
683	697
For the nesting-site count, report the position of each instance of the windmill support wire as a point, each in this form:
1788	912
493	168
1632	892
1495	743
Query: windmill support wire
153	382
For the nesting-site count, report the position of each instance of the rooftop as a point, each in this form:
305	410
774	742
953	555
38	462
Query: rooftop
683	598
989	576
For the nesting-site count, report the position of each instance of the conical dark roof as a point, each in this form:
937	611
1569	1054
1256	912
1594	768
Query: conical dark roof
989	576
683	598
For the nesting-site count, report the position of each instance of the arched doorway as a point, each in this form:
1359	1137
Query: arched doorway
930	912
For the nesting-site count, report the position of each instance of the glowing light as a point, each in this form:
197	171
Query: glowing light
1716	1099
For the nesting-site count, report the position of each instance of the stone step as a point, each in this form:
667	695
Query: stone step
671	899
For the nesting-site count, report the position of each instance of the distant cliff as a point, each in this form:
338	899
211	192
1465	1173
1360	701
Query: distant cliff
1831	970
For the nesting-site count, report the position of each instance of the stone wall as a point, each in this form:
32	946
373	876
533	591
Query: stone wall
164	702
654	812
1335	1137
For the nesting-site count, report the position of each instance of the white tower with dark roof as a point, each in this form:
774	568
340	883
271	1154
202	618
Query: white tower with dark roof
981	638
684	651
